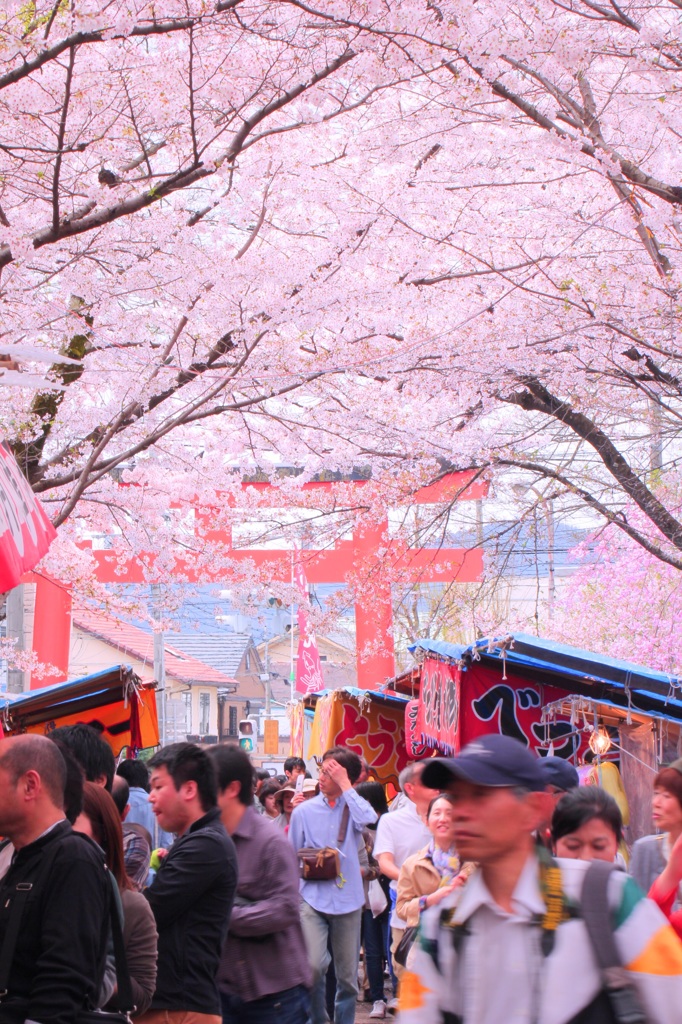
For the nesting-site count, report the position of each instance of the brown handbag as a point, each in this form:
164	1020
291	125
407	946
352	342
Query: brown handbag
323	863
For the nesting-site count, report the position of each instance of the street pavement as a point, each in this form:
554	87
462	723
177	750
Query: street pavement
362	1014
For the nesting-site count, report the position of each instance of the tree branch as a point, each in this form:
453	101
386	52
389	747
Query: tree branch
537	398
155	28
96	218
670	193
60	139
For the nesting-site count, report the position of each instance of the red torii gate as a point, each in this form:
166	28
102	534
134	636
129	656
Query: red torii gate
52	621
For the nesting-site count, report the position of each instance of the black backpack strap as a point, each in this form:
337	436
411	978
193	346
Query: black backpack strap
124	991
596	913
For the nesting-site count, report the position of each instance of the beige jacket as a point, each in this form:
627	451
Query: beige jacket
418	877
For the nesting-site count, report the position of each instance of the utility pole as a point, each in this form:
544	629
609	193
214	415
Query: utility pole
266	680
160	666
292	673
16	630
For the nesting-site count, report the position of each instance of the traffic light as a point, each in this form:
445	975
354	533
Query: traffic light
246	735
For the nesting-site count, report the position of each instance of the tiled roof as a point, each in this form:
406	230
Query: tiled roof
224	651
136	642
340	640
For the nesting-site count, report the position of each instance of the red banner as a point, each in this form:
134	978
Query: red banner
438	712
414	744
457	705
25	531
512	706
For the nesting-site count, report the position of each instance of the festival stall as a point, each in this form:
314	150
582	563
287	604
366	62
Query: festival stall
618	722
116	702
370	722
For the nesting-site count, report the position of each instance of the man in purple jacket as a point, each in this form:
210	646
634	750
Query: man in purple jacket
264	972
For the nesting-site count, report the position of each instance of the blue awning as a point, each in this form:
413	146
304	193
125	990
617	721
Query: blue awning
356	691
598	676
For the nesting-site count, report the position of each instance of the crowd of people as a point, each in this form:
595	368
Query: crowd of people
193	889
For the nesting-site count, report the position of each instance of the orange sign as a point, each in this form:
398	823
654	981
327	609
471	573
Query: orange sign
271	736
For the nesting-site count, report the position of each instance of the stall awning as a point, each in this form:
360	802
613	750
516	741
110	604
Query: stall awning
370	722
376	696
624	683
116	701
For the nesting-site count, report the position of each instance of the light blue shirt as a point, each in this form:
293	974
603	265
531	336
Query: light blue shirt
317	823
141	813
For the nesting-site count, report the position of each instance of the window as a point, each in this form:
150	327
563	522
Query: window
204	713
233	729
187	701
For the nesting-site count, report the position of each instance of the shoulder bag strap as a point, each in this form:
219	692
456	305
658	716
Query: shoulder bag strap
596	913
343	827
124	990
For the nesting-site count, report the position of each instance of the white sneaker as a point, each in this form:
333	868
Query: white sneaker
378	1010
393	1005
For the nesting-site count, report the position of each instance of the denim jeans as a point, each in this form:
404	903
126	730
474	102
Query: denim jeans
344	932
289	1007
389	954
374	931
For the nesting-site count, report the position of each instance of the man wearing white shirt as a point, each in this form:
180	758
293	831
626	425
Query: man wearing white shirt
523	941
399	835
331	910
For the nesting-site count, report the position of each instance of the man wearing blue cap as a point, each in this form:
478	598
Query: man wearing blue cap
512	946
560	777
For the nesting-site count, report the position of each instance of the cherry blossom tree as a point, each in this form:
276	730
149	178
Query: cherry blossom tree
395	236
625	603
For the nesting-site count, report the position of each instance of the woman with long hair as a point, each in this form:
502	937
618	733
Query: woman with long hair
99	819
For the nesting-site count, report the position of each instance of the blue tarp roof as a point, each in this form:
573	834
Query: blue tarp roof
356	691
596	675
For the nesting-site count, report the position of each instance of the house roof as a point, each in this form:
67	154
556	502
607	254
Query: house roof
136	642
223	651
340	641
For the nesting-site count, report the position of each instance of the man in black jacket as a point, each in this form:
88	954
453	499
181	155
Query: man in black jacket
57	965
192	893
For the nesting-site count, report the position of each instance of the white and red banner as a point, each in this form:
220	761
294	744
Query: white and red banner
308	665
25	531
